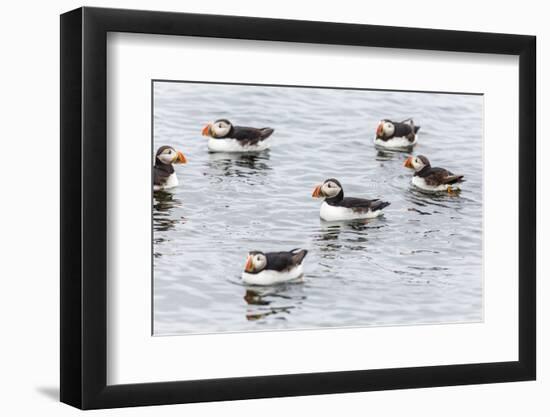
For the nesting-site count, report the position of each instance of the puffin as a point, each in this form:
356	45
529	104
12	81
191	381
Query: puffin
396	135
164	174
336	207
432	179
269	268
224	137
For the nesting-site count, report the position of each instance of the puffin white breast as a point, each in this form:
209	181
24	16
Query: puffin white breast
272	277
335	213
420	183
233	145
399	142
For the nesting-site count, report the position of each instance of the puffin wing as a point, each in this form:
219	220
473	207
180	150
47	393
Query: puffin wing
405	129
160	175
281	261
298	256
410	122
266	132
363	204
440	176
453	179
250	135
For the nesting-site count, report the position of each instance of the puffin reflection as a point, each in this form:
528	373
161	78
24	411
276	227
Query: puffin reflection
270	302
164	204
255	298
333	236
238	164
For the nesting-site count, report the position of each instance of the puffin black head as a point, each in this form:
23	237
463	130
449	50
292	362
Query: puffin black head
330	188
256	261
385	129
166	155
218	129
418	163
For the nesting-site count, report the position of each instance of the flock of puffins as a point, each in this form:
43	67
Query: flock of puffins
269	268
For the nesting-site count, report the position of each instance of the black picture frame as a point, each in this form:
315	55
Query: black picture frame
84	207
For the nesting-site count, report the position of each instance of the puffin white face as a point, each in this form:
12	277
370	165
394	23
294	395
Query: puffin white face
168	155
218	129
385	129
255	262
328	189
416	162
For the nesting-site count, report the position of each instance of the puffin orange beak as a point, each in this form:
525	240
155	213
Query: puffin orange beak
316	192
248	266
379	130
408	162
206	130
181	158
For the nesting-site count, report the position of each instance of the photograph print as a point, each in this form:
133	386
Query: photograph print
294	208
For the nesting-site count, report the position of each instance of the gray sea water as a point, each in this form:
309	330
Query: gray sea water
419	264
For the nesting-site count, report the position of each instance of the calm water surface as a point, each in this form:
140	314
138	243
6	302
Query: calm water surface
421	263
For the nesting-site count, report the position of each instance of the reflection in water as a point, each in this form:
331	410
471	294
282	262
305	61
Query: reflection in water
274	300
388	155
255	298
252	316
164	204
422	213
348	235
426	199
328	240
238	164
165	201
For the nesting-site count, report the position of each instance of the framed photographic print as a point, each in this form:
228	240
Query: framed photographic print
257	207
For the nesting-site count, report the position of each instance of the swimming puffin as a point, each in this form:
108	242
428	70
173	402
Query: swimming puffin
164	174
224	137
396	135
273	267
337	207
430	178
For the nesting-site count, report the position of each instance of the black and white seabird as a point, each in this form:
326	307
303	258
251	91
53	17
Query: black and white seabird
396	135
164	174
269	268
336	207
224	137
433	179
